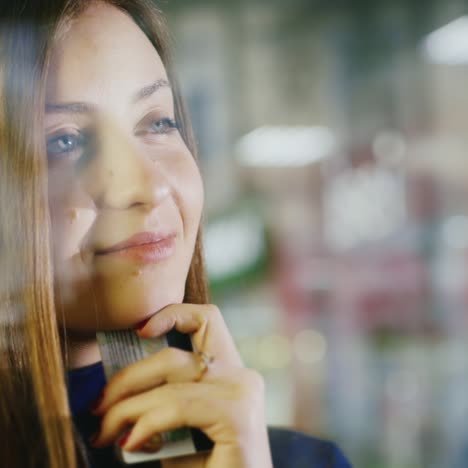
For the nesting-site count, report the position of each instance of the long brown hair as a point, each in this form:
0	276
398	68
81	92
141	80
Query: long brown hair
35	419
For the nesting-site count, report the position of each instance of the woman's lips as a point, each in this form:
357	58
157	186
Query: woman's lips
145	247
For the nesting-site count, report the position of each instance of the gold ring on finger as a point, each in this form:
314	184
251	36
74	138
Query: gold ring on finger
204	362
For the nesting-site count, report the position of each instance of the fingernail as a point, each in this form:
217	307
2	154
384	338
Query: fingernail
153	445
124	439
141	324
97	402
93	438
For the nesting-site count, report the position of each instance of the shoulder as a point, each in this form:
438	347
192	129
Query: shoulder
291	449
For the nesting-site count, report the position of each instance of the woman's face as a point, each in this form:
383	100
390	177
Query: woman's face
120	177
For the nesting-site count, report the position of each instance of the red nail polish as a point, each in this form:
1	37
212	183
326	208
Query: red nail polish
92	439
96	403
140	325
124	439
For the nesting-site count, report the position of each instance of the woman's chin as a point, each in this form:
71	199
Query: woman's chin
128	312
118	311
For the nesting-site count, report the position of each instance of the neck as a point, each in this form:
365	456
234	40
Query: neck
80	351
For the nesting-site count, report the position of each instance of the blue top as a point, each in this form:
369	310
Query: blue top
289	449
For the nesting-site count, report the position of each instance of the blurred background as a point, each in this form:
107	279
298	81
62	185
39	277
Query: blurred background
333	145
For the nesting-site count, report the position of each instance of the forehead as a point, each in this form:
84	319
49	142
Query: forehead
102	52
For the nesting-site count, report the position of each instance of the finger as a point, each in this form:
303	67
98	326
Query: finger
206	324
222	413
188	413
193	404
166	366
129	411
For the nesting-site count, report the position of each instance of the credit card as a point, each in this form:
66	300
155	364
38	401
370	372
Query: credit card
121	348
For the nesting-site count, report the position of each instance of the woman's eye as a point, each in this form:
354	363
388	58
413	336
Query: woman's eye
165	125
65	145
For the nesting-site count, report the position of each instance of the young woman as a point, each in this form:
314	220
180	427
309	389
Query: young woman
100	206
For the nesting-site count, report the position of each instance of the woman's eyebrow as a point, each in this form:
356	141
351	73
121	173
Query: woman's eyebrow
70	108
147	91
86	108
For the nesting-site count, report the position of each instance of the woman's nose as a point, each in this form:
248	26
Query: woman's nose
122	176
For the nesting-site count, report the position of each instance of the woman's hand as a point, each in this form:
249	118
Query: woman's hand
169	390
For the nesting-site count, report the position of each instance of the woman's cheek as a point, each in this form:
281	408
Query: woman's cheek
193	196
71	229
192	189
185	178
72	212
